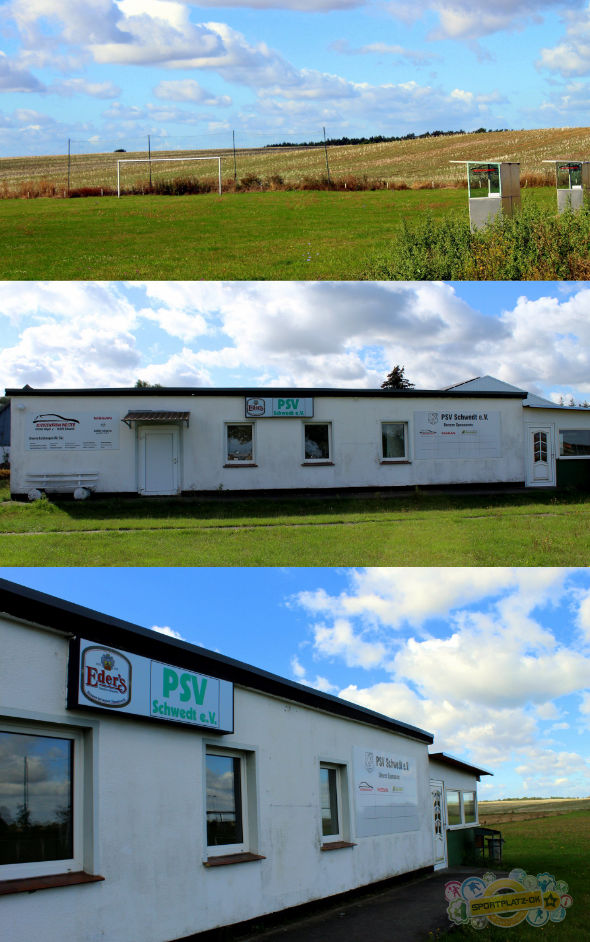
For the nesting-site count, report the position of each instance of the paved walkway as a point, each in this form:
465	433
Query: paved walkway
407	912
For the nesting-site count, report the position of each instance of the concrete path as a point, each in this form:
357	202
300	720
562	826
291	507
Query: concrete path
407	912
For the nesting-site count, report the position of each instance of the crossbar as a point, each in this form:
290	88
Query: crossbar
154	160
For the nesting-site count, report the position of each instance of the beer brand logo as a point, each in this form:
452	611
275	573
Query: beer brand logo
255	407
433	418
369	761
105	677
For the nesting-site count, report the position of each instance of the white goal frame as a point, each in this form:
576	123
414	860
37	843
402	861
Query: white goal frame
155	160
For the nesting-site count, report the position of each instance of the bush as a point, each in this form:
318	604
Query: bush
532	245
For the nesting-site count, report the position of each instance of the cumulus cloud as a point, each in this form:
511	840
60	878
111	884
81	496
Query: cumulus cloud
189	90
80	86
465	653
14	78
322	334
571	55
472	19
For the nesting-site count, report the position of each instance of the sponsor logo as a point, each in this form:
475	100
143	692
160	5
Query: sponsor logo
255	407
508	901
433	418
369	761
52	419
105	677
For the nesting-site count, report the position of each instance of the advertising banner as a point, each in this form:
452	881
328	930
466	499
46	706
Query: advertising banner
457	434
105	678
386	792
72	431
286	407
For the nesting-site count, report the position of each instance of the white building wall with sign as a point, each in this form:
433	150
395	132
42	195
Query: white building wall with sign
476	455
144	811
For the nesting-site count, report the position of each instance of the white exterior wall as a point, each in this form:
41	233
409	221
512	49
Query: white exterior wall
148	812
278	444
452	777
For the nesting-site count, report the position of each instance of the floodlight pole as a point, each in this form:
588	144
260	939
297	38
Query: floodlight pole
150	159
69	162
235	166
326	151
219	166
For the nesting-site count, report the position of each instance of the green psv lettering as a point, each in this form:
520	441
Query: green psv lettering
169	681
199	692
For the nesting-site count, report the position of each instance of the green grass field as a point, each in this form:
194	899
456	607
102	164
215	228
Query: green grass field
242	236
556	845
412	530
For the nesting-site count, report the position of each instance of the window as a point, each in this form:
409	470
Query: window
239	443
453	808
469	815
461	808
41	801
574	443
394	436
317	442
226	787
329	802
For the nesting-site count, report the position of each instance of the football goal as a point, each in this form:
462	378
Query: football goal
155	160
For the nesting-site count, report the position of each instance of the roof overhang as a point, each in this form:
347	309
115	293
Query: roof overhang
151	417
458	764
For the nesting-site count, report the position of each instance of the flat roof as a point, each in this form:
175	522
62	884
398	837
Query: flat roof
272	392
458	764
75	620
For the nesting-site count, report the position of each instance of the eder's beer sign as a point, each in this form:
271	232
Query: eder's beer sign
102	677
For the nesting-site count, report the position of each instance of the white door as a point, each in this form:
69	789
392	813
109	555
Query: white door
158	460
439	830
540	456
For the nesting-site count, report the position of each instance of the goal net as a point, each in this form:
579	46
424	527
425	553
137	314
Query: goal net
155	160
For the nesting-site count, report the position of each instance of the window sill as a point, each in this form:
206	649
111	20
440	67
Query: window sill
240	464
31	884
395	461
226	860
317	464
336	845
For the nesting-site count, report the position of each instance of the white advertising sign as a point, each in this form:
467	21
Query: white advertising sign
110	679
457	434
386	792
286	407
72	431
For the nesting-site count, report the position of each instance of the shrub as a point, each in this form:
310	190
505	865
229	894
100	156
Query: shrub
533	244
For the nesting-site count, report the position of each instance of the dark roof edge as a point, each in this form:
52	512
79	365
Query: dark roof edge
458	763
70	618
271	392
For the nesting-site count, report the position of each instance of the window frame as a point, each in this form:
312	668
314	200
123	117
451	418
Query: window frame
81	840
561	456
406	457
238	462
221	850
461	792
339	835
319	461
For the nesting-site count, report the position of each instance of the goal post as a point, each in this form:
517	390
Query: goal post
154	160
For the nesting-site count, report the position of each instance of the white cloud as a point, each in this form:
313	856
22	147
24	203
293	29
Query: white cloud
14	78
189	90
80	86
169	632
469	20
320	683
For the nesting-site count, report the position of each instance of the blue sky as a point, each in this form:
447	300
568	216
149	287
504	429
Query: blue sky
107	73
92	334
495	662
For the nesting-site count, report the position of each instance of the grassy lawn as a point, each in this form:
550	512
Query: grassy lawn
411	530
556	845
242	236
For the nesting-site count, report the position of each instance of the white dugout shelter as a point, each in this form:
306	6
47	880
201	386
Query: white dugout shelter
151	790
196	440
